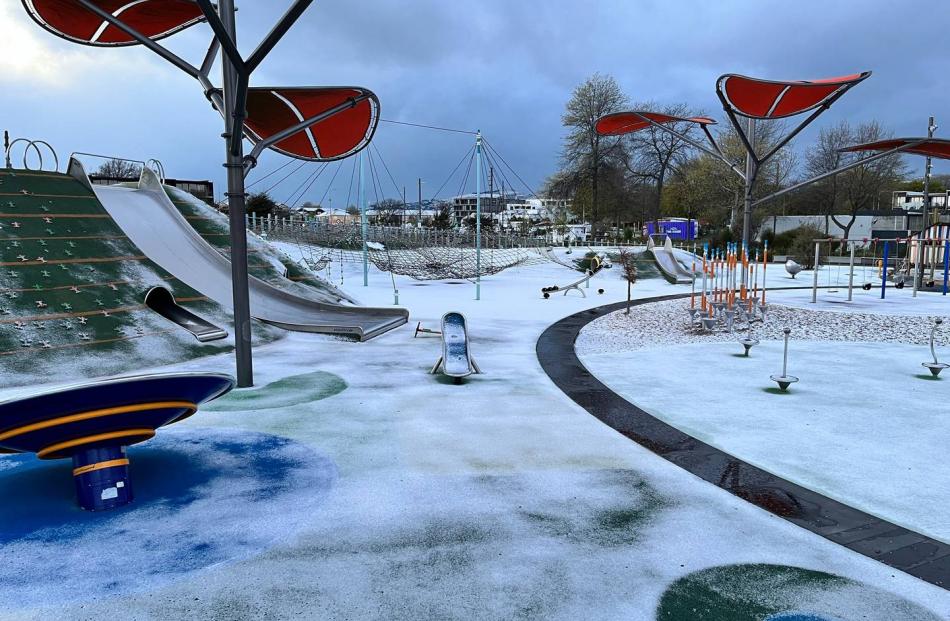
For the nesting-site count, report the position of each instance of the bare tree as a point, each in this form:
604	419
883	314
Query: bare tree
824	156
654	155
118	169
388	211
585	153
854	190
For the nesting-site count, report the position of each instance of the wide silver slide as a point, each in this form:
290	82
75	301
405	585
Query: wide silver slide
671	269
154	224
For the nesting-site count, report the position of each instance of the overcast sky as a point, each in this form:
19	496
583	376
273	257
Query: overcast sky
506	67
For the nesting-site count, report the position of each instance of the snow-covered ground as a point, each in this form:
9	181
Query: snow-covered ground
866	424
496	499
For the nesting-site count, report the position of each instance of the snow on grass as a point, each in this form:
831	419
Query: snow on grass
667	323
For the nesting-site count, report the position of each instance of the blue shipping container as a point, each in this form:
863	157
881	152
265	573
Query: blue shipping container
679	229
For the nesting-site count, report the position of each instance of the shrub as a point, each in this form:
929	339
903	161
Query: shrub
802	247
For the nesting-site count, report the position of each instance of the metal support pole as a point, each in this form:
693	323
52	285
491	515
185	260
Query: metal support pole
887	248
236	209
851	273
919	263
364	225
946	266
750	173
919	267
814	284
478	215
420	201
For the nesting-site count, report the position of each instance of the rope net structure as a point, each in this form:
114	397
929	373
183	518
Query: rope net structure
420	253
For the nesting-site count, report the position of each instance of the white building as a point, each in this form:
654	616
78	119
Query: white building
914	201
866	226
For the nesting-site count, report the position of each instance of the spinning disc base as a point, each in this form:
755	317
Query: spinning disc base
784	381
102	478
935	367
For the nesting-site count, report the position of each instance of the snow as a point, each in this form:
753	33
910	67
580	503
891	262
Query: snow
495	499
862	381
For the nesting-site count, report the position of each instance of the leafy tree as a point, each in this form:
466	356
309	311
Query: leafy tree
119	169
443	219
487	223
628	264
260	204
802	248
585	154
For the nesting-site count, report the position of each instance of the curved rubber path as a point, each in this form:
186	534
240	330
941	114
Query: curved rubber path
896	546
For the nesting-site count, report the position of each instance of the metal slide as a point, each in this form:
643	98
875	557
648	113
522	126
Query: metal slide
161	300
456	360
671	269
155	225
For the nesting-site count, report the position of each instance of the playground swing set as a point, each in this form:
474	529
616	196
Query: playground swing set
926	255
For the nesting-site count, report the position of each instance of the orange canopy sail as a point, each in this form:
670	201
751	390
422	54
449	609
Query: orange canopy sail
273	110
154	19
627	122
768	99
931	147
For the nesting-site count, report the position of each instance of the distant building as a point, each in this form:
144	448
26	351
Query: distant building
203	190
199	189
867	225
492	202
914	201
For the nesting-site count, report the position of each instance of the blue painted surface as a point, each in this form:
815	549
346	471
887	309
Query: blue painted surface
105	488
203	496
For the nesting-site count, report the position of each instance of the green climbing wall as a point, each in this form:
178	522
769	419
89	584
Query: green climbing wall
72	287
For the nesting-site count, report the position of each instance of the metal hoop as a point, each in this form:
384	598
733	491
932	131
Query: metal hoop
35	146
158	167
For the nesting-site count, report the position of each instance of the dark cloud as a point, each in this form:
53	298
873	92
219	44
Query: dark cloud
507	68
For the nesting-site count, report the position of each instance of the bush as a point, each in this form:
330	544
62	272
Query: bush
802	247
781	242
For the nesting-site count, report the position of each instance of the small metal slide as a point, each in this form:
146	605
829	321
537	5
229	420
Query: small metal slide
161	300
665	259
456	360
154	224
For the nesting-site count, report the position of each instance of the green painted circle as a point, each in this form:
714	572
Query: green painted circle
283	393
759	592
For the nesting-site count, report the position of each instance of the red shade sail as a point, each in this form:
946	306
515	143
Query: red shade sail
153	18
767	99
272	110
627	122
933	147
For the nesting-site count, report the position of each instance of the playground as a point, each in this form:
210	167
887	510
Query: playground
206	414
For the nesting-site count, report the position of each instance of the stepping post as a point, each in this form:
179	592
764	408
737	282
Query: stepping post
785	380
936	366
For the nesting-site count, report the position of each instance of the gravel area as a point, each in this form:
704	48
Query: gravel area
667	323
